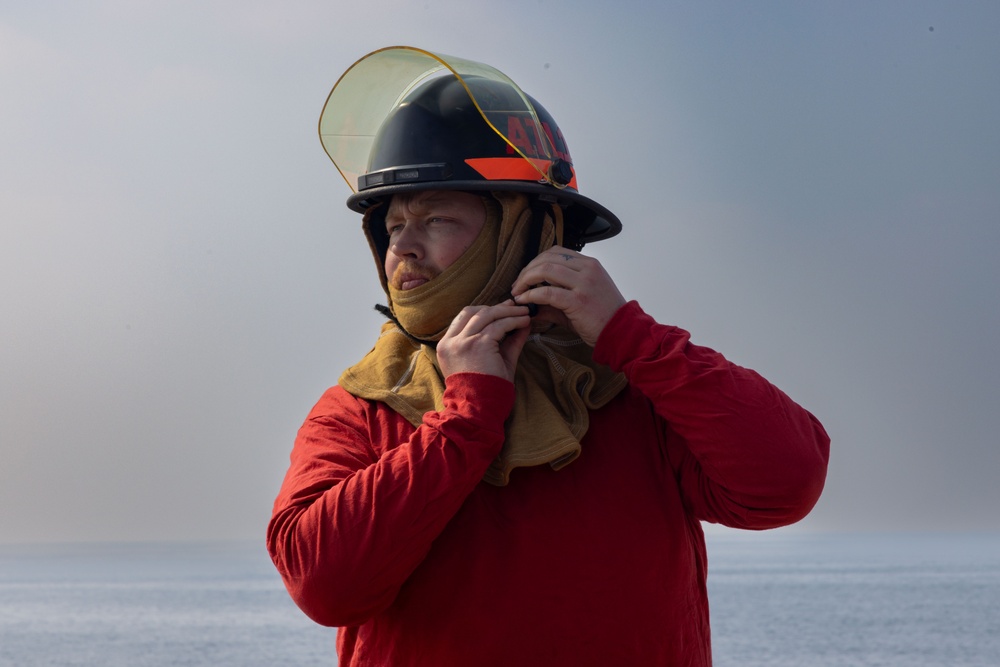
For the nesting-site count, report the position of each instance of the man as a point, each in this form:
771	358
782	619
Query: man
517	472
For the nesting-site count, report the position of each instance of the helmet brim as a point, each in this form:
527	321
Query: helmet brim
589	220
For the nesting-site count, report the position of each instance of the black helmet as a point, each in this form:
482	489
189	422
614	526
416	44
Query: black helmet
395	127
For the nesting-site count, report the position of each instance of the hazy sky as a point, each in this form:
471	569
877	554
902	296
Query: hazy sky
812	189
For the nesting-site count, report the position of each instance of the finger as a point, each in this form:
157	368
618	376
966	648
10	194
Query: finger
493	313
474	318
462	319
547	273
496	327
506	325
561	253
511	346
552	316
557	256
553	296
532	307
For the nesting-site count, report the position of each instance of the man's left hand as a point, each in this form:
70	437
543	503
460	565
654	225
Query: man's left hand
572	290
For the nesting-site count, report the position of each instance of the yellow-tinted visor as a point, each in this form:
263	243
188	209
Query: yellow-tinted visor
376	84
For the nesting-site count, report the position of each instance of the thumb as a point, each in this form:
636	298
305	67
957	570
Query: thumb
511	346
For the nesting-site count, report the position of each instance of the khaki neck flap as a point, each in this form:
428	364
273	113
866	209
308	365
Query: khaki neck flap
557	381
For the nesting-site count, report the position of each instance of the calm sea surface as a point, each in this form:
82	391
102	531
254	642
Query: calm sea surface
855	600
777	599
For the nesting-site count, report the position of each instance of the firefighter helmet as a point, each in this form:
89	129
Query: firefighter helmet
402	119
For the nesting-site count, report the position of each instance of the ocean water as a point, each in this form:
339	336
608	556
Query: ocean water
907	600
132	605
777	599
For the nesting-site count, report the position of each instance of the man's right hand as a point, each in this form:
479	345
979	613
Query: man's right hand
485	339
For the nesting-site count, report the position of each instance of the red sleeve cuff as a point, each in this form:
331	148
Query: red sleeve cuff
627	336
484	400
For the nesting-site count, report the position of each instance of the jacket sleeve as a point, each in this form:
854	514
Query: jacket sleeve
357	513
744	454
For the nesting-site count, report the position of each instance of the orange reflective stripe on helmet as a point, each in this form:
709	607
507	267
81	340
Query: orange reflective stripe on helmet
513	169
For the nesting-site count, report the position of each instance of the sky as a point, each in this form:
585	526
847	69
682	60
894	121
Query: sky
812	189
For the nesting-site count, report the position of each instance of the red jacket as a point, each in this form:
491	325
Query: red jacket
388	532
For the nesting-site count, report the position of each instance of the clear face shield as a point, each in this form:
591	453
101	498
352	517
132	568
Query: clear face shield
377	83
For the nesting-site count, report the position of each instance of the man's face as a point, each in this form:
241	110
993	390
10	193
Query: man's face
428	231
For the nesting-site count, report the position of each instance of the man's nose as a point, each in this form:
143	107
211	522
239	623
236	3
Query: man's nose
408	242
